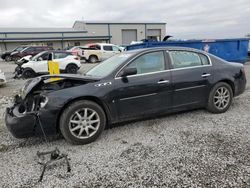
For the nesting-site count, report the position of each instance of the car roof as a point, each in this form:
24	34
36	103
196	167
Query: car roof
58	51
166	48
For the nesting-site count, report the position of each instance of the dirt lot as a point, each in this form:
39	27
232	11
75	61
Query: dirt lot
191	149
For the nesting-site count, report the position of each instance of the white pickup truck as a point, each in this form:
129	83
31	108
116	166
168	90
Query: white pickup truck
99	51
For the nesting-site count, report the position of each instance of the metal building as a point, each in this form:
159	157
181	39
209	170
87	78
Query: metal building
121	33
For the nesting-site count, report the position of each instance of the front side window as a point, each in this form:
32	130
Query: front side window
183	59
107	48
151	62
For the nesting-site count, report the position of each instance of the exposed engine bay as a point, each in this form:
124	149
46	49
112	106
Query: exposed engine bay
32	99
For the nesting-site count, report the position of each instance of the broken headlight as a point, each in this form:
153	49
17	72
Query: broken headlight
44	100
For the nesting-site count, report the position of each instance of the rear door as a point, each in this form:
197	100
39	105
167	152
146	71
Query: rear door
191	77
147	92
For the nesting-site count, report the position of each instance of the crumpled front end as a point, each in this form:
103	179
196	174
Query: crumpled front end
35	101
20	125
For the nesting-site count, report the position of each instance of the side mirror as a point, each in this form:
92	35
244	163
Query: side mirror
129	71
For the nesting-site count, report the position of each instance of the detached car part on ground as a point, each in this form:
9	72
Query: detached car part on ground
29	67
2	78
128	86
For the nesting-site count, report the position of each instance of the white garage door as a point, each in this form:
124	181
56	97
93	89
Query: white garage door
153	32
129	35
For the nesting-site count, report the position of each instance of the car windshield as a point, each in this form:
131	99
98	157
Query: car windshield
108	66
19	48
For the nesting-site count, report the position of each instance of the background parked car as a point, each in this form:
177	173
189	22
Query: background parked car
30	50
7	55
99	51
39	64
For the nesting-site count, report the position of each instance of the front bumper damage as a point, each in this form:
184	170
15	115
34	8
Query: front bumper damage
36	100
22	126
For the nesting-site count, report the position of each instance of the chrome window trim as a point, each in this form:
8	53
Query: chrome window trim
168	70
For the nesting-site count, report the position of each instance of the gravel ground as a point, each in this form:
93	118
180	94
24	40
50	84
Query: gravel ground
191	149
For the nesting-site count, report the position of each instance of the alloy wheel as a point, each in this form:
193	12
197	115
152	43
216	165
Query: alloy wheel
221	98
84	123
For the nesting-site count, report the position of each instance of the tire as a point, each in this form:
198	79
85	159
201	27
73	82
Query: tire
28	73
220	98
16	58
72	69
7	58
74	130
93	59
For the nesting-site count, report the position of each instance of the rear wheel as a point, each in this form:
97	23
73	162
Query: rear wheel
28	73
82	122
220	98
71	69
93	59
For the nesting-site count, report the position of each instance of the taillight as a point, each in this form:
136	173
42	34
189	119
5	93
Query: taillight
76	58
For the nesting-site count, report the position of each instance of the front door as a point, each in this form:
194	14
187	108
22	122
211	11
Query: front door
148	91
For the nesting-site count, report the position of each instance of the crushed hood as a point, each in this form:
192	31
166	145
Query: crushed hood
32	83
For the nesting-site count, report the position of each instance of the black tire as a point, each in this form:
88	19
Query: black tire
28	73
215	104
66	127
93	59
72	69
7	58
16	58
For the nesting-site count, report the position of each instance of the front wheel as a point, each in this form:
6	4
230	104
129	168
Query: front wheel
7	58
220	98
28	73
82	122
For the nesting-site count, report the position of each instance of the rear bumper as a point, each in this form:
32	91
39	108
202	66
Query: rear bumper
240	87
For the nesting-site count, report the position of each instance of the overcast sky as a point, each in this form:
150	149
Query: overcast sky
184	18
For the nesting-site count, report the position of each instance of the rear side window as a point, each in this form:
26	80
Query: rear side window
183	59
204	59
60	55
151	62
107	48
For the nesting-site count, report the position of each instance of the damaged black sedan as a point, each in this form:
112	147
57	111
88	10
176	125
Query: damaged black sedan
128	86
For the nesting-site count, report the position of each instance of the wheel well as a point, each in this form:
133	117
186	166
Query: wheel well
71	64
229	82
28	68
93	56
90	98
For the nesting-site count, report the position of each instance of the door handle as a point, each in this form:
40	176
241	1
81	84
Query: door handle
205	75
163	81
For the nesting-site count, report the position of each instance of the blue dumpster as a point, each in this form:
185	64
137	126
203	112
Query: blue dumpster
234	50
